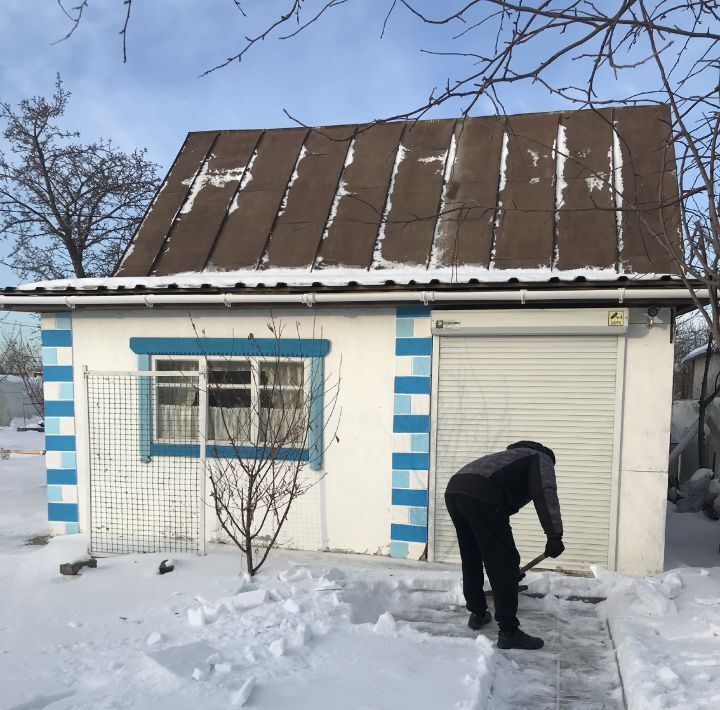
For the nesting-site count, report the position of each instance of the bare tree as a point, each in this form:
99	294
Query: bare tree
69	208
20	356
268	419
691	332
585	55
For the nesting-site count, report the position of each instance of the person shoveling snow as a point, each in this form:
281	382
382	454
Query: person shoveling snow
480	499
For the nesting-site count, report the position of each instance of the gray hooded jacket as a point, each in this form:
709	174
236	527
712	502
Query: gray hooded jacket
511	479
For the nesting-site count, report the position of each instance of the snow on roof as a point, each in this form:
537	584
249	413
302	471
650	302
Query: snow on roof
698	352
344	276
512	192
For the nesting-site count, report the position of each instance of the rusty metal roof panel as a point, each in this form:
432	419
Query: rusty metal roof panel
354	220
206	206
585	200
556	191
465	226
525	230
305	209
411	211
647	178
254	207
145	247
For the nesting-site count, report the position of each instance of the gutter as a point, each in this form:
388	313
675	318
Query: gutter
311	298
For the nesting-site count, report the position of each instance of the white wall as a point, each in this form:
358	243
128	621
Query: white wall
350	508
647	407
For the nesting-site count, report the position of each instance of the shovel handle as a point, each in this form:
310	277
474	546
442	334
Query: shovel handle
532	563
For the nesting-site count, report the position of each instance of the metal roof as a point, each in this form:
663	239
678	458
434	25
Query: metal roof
554	191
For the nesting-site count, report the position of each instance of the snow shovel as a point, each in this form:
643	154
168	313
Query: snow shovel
532	563
528	566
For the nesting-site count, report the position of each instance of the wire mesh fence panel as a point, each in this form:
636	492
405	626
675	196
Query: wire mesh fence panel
144	462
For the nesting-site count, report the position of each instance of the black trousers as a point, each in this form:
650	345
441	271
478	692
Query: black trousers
485	538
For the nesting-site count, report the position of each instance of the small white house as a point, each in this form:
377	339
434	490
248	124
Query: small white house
475	282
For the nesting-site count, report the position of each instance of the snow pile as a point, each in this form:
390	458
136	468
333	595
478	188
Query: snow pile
297	635
699	492
667	634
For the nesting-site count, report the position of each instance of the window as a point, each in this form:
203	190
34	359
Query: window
177	401
249	403
230	401
282	417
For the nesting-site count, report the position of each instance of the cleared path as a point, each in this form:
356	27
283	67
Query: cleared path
576	669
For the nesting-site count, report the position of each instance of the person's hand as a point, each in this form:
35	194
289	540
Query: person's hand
554	547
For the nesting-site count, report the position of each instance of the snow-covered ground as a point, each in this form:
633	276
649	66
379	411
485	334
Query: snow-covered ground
319	631
11	438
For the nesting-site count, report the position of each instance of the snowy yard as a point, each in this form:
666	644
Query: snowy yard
316	631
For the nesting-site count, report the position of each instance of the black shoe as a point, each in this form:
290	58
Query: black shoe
519	639
477	621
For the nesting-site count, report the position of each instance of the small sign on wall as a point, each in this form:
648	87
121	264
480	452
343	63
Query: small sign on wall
616	318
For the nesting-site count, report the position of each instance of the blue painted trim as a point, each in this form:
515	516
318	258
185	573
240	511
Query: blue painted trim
404	327
63	512
63	321
411	462
414	311
176	450
58	373
59	443
144	409
49	356
55	494
412	385
401	479
62	476
399	550
297	347
411	424
409	496
60	409
316	424
227	452
413	346
408	533
52	426
56	338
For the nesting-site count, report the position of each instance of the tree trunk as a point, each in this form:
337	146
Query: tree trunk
702	406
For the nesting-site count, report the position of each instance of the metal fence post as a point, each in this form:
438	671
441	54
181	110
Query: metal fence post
202	432
87	498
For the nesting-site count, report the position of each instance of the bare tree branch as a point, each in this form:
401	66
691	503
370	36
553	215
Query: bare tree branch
68	208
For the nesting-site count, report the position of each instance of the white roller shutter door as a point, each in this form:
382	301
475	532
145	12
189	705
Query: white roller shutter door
559	390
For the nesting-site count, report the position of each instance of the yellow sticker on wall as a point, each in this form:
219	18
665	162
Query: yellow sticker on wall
616	318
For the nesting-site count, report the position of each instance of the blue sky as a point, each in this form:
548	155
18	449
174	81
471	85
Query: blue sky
339	71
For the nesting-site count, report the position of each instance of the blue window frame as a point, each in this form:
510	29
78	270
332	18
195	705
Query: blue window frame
232	388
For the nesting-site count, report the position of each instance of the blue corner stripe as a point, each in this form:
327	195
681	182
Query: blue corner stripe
407	496
408	533
58	373
56	338
411	424
59	443
412	385
63	512
413	346
60	409
286	347
411	462
414	311
62	477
